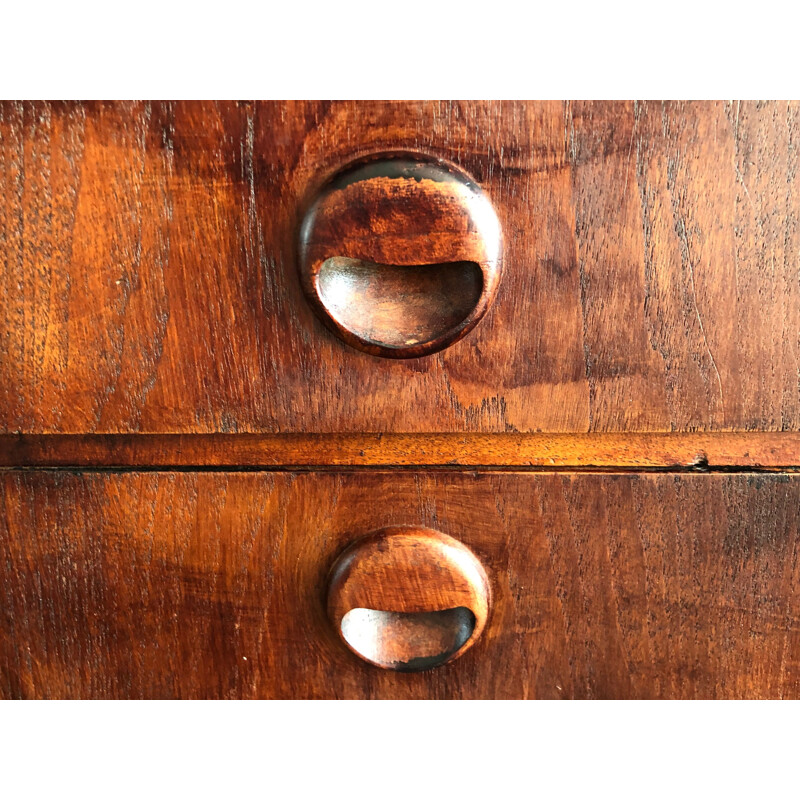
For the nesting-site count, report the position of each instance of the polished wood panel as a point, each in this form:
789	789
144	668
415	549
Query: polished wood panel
148	276
761	450
213	585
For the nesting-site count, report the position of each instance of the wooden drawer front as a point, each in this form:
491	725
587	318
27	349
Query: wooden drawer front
148	273
212	584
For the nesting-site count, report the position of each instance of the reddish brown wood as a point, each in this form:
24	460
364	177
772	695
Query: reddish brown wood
148	269
400	255
754	450
213	585
408	598
648	319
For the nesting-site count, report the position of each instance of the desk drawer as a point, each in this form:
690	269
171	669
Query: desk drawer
148	269
172	584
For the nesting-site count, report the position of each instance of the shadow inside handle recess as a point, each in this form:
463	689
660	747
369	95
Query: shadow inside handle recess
399	306
407	642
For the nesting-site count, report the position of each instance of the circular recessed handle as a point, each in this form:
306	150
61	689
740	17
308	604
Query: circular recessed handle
400	255
408	599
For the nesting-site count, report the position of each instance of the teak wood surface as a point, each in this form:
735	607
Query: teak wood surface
400	255
642	451
213	585
185	448
434	589
148	278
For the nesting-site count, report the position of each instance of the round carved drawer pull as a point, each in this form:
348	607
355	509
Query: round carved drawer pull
408	599
400	255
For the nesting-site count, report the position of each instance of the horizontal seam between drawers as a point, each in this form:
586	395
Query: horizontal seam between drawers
632	452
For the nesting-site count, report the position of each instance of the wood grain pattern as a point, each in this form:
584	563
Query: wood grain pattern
434	588
212	585
400	255
148	276
753	450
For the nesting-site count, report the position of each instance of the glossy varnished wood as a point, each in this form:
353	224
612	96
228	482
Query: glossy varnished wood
400	255
755	449
648	319
434	589
213	585
148	277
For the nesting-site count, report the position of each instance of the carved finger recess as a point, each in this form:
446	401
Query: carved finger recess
408	599
400	255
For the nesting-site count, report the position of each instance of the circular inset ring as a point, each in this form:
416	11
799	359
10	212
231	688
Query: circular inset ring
408	598
400	255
